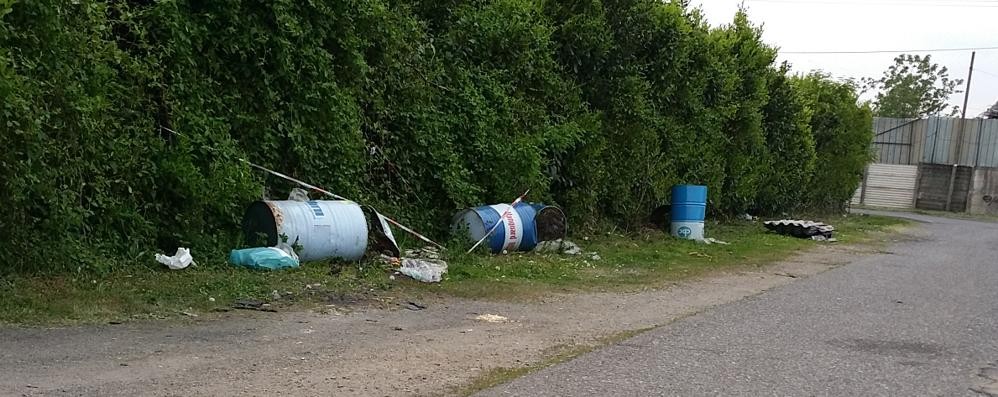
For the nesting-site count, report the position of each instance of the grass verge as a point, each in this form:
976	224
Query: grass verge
555	355
626	262
636	261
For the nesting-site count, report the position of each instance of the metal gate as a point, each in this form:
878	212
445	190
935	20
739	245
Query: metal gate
888	185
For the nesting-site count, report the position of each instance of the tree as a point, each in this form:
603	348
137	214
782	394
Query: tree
912	87
991	113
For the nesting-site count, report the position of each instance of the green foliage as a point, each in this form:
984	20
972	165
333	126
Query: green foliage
913	87
842	136
790	141
124	123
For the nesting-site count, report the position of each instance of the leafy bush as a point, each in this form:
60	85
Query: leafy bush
791	159
125	122
842	136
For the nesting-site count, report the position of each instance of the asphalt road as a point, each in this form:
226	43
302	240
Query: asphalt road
919	318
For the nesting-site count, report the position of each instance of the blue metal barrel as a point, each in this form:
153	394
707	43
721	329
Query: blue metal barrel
689	209
518	231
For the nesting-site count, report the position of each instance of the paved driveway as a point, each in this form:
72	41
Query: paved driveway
919	318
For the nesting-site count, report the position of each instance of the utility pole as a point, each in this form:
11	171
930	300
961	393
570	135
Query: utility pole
959	139
970	76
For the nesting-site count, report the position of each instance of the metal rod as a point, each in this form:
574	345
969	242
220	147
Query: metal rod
952	184
899	126
866	183
935	138
502	217
980	132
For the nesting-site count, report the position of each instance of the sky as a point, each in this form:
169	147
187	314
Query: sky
874	25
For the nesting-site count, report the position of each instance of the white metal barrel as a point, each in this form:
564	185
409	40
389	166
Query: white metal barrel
323	229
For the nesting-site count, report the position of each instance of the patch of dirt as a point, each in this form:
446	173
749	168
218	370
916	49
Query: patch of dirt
365	350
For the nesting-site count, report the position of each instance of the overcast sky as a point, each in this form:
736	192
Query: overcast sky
866	25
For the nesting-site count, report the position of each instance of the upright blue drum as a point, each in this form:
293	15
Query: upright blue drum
689	208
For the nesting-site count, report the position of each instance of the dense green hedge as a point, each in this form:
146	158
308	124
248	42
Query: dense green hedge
419	107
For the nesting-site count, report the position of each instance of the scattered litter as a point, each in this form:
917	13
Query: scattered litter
747	217
491	318
699	254
427	271
275	295
594	256
252	304
266	258
800	228
422	253
711	240
298	194
422	264
787	275
189	314
561	246
380	237
391	261
313	286
414	306
178	261
398	328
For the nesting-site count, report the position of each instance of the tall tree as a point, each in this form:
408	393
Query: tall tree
913	86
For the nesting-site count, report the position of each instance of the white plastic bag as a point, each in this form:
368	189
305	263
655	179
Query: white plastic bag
427	271
178	261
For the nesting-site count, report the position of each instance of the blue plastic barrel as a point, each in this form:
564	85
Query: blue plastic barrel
518	232
689	209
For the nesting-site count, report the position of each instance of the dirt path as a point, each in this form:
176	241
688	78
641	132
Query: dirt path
370	352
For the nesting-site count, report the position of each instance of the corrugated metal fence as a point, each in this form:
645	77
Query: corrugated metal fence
936	140
888	185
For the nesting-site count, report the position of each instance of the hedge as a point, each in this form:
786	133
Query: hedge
123	122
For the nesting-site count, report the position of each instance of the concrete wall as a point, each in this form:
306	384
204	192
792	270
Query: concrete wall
984	192
934	187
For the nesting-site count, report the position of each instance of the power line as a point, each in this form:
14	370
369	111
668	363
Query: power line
892	51
904	3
